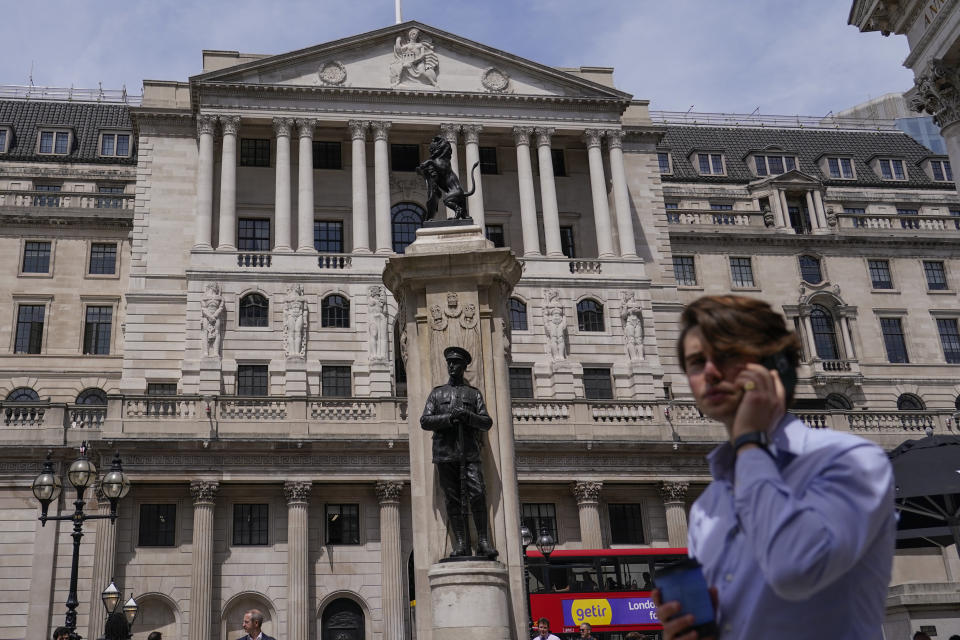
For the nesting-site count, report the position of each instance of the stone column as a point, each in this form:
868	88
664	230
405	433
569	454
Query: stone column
204	494
775	206
587	494
298	564
391	560
937	91
451	133
674	496
808	328
528	202
548	192
305	128
381	186
471	134
785	208
228	183
361	232
104	558
206	125
812	212
821	213
621	198
598	187
847	337
281	128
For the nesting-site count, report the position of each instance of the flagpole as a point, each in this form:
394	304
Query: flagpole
398	12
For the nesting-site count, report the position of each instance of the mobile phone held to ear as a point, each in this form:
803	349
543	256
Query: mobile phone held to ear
683	581
780	363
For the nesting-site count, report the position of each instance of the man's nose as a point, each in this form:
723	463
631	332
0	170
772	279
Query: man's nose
711	371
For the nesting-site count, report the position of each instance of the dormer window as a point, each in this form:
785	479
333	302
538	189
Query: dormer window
840	168
663	159
941	171
114	145
53	142
711	164
768	165
5	135
891	169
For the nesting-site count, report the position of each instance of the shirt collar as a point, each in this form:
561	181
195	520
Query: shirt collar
722	458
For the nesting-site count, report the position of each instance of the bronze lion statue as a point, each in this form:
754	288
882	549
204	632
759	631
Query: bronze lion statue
442	183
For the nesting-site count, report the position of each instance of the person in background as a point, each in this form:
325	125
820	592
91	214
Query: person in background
543	626
586	631
155	635
252	623
61	633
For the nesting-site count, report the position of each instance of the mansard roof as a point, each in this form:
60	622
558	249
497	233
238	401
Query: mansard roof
86	120
809	145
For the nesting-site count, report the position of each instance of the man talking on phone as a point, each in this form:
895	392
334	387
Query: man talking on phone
796	532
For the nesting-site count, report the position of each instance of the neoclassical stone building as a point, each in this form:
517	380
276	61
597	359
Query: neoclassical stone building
250	373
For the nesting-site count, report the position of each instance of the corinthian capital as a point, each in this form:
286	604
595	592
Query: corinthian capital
230	125
296	491
388	491
471	133
206	124
614	138
521	135
358	129
381	128
586	491
450	132
282	126
305	127
593	137
673	491
937	91
204	492
544	134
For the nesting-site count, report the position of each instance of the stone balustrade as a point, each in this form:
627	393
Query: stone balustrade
254	259
160	407
586	266
251	409
86	416
545	411
634	412
24	414
328	410
66	200
904	222
709	217
334	261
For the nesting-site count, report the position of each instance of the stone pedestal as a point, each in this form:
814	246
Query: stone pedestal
471	601
381	379
453	289
210	382
295	381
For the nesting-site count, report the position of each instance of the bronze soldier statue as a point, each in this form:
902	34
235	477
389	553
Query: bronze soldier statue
456	414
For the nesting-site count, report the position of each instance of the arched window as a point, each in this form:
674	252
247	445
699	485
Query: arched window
824	333
23	394
335	312
518	315
956	403
254	311
838	402
92	396
407	218
909	402
590	315
342	619
810	270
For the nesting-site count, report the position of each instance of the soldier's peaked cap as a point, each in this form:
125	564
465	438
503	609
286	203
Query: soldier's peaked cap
456	352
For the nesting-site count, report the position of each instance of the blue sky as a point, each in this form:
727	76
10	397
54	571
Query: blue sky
722	55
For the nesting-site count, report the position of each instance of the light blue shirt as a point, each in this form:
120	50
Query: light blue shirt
800	546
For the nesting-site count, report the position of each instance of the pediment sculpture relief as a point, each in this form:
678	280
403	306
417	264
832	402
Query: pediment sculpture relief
414	59
332	74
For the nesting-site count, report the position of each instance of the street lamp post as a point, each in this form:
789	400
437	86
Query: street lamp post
545	545
82	473
526	539
119	623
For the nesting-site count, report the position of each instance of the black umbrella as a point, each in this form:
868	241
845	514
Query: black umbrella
927	479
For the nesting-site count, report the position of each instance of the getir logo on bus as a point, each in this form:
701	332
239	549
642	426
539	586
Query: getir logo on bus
609	611
594	611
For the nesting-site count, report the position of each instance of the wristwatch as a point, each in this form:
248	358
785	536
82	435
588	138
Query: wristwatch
758	438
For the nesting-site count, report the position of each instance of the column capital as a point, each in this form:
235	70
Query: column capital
297	491
544	134
586	490
937	91
204	492
358	129
614	138
388	491
521	135
305	127
450	131
381	128
282	126
471	133
593	137
230	125
673	491
206	124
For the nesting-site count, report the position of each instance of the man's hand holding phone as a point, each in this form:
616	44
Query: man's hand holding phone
763	403
689	611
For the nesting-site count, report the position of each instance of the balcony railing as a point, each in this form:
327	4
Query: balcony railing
709	217
43	200
905	222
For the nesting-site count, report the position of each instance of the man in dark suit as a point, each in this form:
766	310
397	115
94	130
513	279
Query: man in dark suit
252	621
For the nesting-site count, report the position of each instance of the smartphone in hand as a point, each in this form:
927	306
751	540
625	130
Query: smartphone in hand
780	363
683	581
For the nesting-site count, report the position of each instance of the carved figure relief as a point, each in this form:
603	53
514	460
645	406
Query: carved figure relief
295	315
453	324
414	59
554	325
401	331
438	322
332	74
631	315
377	324
495	80
212	311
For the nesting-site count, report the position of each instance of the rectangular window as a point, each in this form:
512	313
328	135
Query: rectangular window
343	523
250	524
157	525
936	275
335	381
858	211
942	172
521	382
44	200
880	276
488	161
685	271
892	169
103	258
720	207
741	271
774	165
29	337
567	245
36	257
894	340
559	165
672	218
96	331
252	380
253	234
840	168
538	516
404	157
115	145
495	235
597	384
950	339
663	159
626	524
3	140
54	142
107	202
161	388
710	164
254	152
955	214
328	236
326	155
908	223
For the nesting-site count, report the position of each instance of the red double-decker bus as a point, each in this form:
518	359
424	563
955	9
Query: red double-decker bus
609	588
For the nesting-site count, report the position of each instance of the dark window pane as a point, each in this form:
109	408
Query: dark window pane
824	333
521	382
326	155
761	164
254	311
559	165
123	145
335	312
590	315
23	394
488	161
685	271
103	258
717	160
253	234
36	257
335	381
838	402
107	142
717	206
157	525
810	269
937	171
567	245
92	396
936	275
742	272
252	380
407	218
107	202
909	402
404	157
46	142
29	337
343	523
907	223
950	339
597	384
791	163
518	315
96	330
626	524
61	145
161	388
663	159
328	236
776	165
894	340
250	524
704	160
799	219
880	274
834	164
3	140
540	516
254	152
494	234
846	167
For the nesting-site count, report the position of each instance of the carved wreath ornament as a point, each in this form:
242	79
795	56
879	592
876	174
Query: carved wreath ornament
495	80
332	73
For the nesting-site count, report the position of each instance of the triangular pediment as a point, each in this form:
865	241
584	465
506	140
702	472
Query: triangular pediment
412	57
793	177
